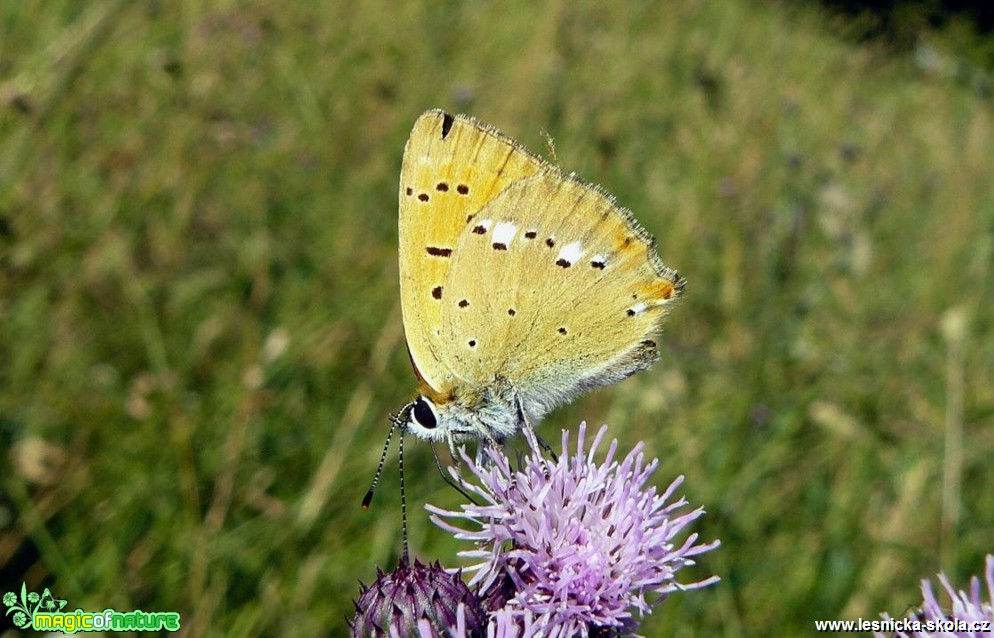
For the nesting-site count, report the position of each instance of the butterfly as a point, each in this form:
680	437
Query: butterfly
522	287
49	603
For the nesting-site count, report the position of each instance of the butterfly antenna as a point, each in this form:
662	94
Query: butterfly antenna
448	479
403	498
366	500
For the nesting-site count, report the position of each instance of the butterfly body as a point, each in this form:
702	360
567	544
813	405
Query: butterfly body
521	286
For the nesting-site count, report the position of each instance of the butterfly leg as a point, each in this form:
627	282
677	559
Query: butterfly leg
527	427
481	458
548	448
451	441
448	478
534	440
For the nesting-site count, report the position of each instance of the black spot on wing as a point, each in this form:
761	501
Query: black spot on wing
447	122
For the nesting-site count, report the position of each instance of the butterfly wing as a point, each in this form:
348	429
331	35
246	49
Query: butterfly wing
558	291
453	166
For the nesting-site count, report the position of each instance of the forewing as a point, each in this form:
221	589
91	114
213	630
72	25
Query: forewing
453	167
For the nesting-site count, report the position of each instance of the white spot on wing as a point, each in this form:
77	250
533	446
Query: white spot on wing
639	307
599	258
485	223
504	233
571	252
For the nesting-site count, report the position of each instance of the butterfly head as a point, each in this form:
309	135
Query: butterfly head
437	420
491	414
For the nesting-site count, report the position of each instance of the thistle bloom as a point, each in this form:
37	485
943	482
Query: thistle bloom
970	616
570	546
416	598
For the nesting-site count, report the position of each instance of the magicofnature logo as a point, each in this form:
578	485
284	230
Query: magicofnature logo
43	612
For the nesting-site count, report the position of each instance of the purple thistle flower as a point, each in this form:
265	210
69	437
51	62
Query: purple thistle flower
572	546
969	617
401	603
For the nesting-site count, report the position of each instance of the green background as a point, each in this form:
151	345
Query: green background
200	336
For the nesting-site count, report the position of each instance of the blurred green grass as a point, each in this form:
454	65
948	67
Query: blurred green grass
199	324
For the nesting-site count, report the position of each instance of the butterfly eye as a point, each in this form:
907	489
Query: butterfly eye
424	414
